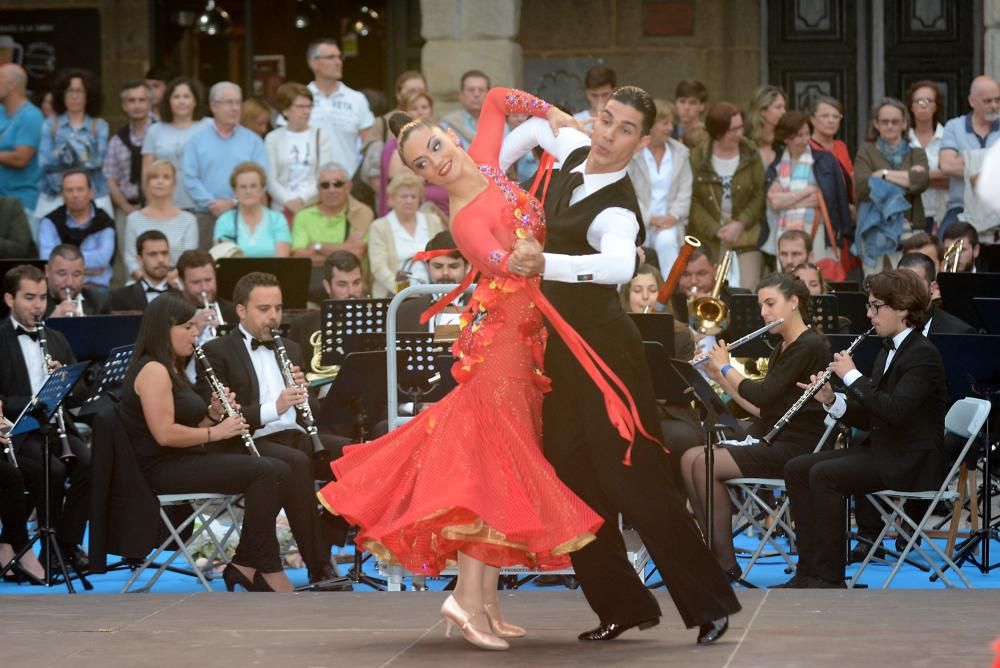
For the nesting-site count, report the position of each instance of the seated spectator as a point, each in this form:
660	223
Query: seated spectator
899	169
82	223
465	121
415	106
929	245
599	83
827	113
74	139
181	118
15	234
801	183
342	279
67	295
926	107
153	254
661	175
294	152
441	270
767	105
213	153
794	249
939	321
640	293
690	97
394	239
969	259
160	213
22	133
257	230
255	117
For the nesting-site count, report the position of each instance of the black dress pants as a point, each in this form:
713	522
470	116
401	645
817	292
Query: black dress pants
13	507
69	506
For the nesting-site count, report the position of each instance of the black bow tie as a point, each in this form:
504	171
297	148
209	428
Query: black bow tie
159	291
888	343
257	343
32	335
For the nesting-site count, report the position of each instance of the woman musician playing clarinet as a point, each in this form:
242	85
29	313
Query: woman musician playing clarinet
801	352
167	423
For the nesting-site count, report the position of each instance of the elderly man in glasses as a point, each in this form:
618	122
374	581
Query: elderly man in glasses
335	222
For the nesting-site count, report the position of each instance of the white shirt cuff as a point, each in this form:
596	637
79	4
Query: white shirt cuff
839	406
852	376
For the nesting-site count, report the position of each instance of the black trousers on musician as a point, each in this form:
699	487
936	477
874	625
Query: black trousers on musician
587	453
258	479
69	506
13	509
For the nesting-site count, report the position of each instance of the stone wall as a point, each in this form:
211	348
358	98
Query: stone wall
991	38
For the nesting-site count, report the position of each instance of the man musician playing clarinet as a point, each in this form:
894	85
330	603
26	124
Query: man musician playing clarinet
247	361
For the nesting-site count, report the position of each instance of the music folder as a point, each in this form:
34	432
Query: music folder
52	393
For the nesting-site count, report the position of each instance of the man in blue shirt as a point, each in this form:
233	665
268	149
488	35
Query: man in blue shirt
20	134
80	223
976	130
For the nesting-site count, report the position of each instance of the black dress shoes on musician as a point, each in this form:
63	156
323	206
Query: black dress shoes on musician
809	582
612	630
712	631
797	582
860	551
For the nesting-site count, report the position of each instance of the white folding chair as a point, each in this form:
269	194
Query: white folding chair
206	509
965	418
754	508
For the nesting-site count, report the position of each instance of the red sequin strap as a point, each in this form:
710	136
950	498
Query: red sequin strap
442	303
423	256
545	165
519	102
625	418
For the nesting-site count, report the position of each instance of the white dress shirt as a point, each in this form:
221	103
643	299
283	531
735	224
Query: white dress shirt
613	231
270	384
32	351
839	405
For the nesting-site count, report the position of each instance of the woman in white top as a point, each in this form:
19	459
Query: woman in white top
293	152
661	175
159	183
926	105
180	118
394	239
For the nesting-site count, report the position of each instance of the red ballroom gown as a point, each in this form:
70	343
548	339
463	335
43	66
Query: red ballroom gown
468	473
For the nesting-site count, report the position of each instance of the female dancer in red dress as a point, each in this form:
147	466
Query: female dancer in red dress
466	480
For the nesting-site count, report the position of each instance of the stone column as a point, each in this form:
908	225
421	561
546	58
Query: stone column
469	34
991	38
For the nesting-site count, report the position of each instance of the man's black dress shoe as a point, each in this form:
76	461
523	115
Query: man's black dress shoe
797	582
612	630
820	583
709	633
75	555
325	571
860	551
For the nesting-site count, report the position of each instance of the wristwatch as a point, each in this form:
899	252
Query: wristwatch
885	173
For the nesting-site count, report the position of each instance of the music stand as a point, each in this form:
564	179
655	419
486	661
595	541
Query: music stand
825	312
351	325
419	377
854	307
93	337
666	385
988	309
744	318
293	273
843	286
109	381
658	327
37	416
958	291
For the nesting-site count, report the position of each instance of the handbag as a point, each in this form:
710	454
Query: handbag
831	267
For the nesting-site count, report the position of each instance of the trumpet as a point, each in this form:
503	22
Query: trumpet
210	330
304	409
220	391
65	453
703	357
710	315
78	300
809	393
953	255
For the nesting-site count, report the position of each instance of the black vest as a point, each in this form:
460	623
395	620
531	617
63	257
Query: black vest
583	304
75	235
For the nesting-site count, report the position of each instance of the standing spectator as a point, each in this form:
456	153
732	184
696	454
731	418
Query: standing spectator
20	135
661	174
85	225
256	117
767	106
599	83
73	139
257	230
690	97
213	153
45	104
162	215
925	103
157	78
337	107
15	235
180	119
727	199
887	167
294	152
795	247
123	162
269	95
465	121
416	106
396	238
976	130
408	83
827	113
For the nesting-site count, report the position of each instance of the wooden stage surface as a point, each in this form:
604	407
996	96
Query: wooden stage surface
776	628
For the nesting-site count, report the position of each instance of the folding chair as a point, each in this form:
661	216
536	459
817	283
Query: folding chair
965	418
755	510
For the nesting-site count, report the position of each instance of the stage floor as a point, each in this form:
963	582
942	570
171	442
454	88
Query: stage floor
776	628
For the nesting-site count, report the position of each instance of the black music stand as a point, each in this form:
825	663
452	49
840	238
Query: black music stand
958	291
37	416
825	312
744	318
843	286
93	337
658	327
293	273
419	377
351	325
988	309
667	386
108	382
854	307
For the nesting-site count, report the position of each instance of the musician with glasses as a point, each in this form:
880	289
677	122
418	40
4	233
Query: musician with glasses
247	361
22	375
153	253
801	352
902	406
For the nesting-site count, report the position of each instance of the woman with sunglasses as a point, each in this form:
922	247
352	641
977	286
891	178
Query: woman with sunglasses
926	105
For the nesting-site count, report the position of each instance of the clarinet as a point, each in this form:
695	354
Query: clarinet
8	449
809	393
702	358
65	454
304	409
220	391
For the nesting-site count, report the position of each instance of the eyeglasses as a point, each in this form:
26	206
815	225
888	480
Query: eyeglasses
332	56
890	121
326	185
227	103
873	307
924	101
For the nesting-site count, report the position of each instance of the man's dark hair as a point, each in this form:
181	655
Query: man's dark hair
692	88
902	290
921	239
442	241
255	279
473	73
91	84
916	259
22	272
197	90
130	84
340	260
67	252
149	235
961	230
600	75
76	170
641	101
797	234
190	259
702	251
159	73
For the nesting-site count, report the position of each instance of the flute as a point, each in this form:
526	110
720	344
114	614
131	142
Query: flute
220	391
703	357
809	393
304	409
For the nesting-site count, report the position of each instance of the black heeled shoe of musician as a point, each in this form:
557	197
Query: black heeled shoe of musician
259	583
233	576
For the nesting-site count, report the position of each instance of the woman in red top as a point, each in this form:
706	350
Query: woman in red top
466	481
827	113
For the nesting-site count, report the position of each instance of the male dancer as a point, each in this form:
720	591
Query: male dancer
592	233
